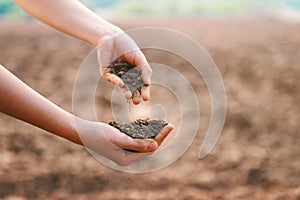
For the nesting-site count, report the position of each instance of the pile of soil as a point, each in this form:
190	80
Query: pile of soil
141	128
129	74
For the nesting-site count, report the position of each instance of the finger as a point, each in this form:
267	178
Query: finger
146	74
163	134
123	141
138	59
125	92
142	64
113	79
117	81
128	95
146	70
140	145
136	97
145	93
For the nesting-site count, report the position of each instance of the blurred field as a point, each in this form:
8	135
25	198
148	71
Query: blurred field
257	156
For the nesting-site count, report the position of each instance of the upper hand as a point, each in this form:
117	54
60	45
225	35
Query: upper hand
117	45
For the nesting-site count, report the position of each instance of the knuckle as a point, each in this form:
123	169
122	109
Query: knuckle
105	75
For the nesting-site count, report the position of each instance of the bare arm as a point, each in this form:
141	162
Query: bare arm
73	18
70	17
20	101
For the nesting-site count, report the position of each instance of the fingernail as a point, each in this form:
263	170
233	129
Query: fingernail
148	81
146	97
170	126
128	95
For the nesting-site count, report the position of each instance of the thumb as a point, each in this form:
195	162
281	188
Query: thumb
139	145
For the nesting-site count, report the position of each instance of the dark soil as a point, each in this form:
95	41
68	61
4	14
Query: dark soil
141	128
257	156
130	75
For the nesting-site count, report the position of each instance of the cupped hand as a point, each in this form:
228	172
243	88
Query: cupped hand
118	46
111	143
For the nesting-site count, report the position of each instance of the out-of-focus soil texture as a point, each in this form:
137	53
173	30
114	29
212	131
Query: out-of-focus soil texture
257	156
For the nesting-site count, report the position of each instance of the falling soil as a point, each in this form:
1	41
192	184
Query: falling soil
129	74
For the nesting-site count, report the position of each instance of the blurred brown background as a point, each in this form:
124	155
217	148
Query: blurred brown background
257	156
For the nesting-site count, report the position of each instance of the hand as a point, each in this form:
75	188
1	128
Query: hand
110	40
110	142
117	45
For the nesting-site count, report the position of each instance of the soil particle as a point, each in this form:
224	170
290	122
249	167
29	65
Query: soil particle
141	128
129	74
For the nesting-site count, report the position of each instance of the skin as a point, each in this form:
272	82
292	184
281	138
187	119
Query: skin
20	101
73	18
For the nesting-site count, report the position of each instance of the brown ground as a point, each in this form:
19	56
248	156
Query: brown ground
257	156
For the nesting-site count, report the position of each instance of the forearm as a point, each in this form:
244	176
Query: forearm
20	101
71	17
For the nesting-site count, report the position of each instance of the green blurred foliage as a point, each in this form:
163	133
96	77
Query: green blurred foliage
168	7
293	3
8	9
192	7
7	6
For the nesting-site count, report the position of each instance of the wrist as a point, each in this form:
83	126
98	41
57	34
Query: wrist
106	33
72	133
